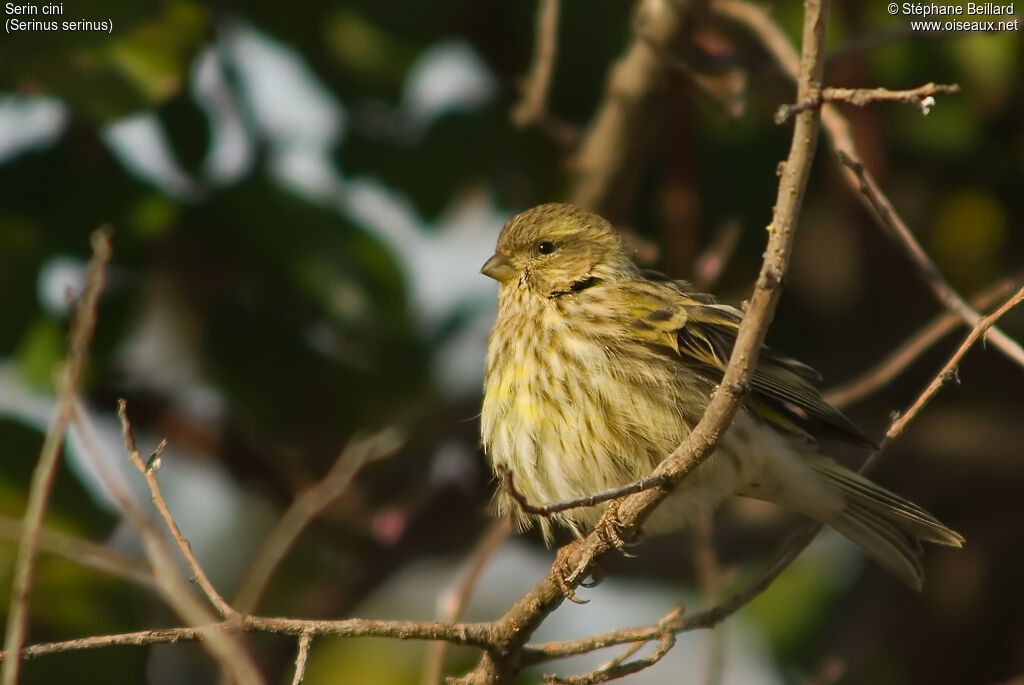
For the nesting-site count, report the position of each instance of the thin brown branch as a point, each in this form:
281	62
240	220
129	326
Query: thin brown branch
235	663
471	634
83	552
759	22
709	266
519	622
608	164
922	97
588	501
904	355
709	580
883	209
301	657
725	87
454	601
80	337
306	507
948	371
533	107
665	644
707	618
148	470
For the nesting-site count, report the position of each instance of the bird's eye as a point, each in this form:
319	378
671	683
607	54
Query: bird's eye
545	247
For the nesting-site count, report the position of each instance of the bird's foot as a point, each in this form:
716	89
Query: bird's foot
610	528
562	571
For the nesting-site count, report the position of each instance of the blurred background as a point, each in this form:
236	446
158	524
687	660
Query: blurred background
301	198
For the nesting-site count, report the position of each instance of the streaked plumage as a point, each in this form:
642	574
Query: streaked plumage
596	370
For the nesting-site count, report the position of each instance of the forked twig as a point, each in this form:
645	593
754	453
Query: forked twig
148	470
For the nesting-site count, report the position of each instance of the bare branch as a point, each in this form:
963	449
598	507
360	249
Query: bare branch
306	507
587	501
148	470
610	156
235	663
471	634
707	618
948	371
759	22
711	263
300	658
533	110
84	552
709	580
79	339
900	358
922	97
620	670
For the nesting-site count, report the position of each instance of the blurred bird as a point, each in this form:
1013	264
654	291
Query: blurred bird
597	370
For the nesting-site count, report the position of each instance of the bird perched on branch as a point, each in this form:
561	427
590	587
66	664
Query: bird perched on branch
597	370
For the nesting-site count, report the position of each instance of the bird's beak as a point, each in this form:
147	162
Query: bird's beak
499	267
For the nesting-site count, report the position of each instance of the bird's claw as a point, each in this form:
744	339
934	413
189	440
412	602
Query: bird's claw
609	527
562	570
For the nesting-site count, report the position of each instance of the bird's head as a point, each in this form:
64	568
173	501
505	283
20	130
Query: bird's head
555	249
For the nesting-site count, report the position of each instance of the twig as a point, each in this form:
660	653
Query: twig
711	263
235	663
300	658
707	618
79	339
608	163
758	21
922	97
306	507
84	552
470	634
725	87
900	358
948	371
148	470
709	580
586	501
883	209
533	107
454	600
668	640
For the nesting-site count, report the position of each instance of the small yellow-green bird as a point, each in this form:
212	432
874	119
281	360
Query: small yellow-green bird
597	370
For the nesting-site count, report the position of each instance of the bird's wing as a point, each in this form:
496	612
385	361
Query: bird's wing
785	391
702	333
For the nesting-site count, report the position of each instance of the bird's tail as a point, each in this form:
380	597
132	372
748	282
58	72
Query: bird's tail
886	526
